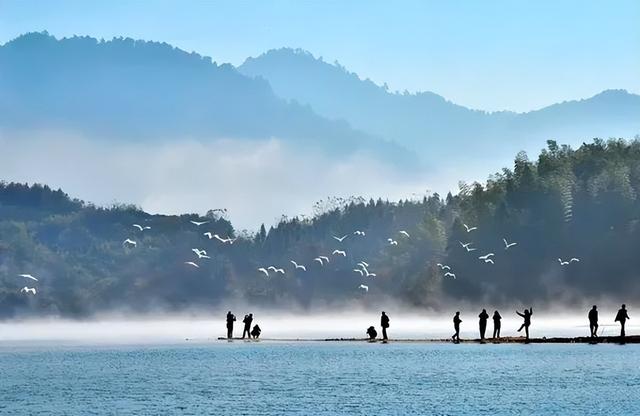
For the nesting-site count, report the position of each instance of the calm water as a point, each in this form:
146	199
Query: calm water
270	378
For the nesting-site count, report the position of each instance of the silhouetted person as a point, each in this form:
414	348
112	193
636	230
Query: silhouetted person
483	323
255	332
371	331
456	326
384	323
593	321
230	320
527	320
496	324
622	317
247	325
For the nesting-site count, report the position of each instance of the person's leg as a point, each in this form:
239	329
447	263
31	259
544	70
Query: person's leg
521	326
622	334
595	330
499	332
384	333
526	329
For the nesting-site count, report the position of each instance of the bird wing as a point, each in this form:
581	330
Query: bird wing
138	226
28	276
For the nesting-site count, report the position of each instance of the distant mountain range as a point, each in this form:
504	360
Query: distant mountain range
126	89
427	122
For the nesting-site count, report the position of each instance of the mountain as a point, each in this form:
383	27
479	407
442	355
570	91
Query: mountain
427	122
127	89
569	203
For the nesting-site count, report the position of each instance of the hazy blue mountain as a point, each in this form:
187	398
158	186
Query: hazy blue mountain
129	89
428	122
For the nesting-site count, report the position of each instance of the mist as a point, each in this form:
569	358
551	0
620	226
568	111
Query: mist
256	181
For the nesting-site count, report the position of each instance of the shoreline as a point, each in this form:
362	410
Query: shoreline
630	339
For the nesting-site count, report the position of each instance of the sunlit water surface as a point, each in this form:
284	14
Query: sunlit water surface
319	378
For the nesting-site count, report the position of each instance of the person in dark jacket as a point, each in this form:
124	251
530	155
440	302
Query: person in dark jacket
384	323
483	323
593	321
247	325
255	332
496	324
231	318
527	320
456	326
622	317
371	331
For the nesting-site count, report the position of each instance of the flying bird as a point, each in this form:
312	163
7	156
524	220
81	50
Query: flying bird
574	259
449	274
190	263
360	233
364	287
359	271
319	260
562	263
469	229
263	270
141	228
489	261
28	290
392	242
28	276
129	241
281	271
364	264
202	254
403	232
324	258
443	266
198	223
298	266
486	256
465	245
340	239
339	253
507	244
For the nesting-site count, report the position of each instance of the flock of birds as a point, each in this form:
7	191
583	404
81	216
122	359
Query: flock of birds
362	267
488	258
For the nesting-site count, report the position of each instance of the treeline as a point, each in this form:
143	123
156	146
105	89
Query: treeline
569	203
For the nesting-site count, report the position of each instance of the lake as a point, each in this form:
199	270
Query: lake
318	378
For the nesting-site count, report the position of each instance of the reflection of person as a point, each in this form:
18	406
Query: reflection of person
230	320
371	331
456	326
483	322
593	321
622	317
247	325
527	320
384	323
496	324
255	332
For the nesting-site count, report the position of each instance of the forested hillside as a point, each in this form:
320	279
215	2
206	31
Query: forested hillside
568	203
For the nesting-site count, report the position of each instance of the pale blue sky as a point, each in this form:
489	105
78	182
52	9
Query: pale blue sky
490	55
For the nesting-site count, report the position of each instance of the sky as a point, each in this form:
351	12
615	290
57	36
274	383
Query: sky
498	55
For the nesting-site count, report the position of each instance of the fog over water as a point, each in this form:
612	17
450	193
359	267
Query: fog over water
345	324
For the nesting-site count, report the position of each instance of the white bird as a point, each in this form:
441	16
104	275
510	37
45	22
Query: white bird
324	258
470	249
469	229
208	234
340	239
281	271
563	263
202	254
370	274
272	268
403	232
359	271
31	290
190	263
141	228
574	259
199	223
339	253
449	274
392	241
263	270
363	264
507	244
364	287
443	266
298	266
319	260
360	233
489	261
28	276
486	256
129	241
465	245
